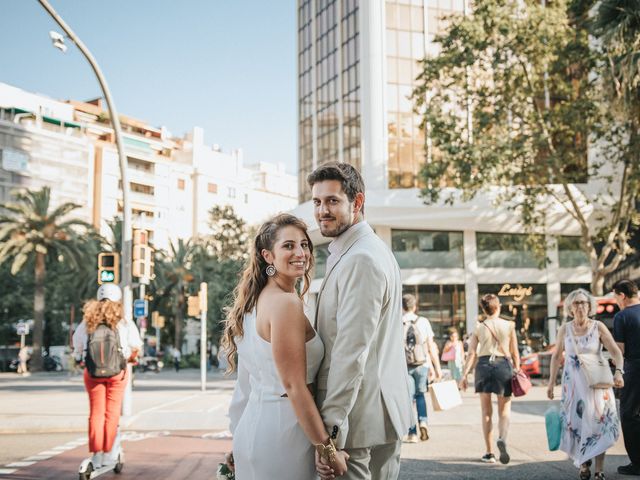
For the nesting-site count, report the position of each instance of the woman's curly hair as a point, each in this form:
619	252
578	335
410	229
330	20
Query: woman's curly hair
105	311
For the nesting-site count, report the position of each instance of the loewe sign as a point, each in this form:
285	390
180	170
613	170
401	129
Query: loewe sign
518	293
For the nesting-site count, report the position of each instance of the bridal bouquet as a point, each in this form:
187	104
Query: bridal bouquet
224	473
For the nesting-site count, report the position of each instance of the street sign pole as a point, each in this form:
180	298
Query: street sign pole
203	336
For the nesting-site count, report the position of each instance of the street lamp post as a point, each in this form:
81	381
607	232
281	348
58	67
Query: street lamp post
126	220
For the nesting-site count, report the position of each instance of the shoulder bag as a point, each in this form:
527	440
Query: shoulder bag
596	369
520	382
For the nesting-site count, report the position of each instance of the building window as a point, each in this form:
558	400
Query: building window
526	305
423	249
212	188
231	192
442	305
570	253
505	250
180	184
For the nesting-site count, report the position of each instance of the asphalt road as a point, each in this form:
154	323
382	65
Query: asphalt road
178	432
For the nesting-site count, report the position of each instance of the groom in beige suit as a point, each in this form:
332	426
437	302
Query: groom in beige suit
363	394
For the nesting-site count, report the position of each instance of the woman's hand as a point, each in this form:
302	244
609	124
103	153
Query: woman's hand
550	391
463	384
618	381
228	459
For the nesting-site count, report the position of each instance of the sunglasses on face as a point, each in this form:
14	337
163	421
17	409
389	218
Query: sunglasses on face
581	303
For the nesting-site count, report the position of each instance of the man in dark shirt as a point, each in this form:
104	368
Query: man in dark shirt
626	331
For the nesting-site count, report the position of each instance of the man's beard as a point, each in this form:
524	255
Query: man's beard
335	231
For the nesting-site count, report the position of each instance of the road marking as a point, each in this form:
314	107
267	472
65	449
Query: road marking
7	471
20	464
133	418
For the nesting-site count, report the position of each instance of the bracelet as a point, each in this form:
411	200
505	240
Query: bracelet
327	452
619	370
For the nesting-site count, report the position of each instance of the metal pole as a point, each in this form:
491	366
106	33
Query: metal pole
203	336
126	214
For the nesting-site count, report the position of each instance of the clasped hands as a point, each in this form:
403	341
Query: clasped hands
329	471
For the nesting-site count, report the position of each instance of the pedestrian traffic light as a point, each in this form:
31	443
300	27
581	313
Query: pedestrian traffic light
142	255
108	268
193	306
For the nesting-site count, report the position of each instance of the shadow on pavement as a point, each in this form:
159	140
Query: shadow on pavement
456	468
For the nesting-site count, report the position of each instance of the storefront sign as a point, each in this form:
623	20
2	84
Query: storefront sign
518	293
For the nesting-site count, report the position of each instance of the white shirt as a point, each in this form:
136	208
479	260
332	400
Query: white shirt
127	331
424	328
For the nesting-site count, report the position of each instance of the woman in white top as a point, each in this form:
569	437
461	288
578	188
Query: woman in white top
105	393
495	345
274	419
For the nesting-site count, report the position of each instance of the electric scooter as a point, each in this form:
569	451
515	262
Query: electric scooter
88	470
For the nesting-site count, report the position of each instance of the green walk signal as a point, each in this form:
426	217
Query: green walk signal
107	277
108	268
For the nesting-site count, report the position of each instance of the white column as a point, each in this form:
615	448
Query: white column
553	286
470	279
373	98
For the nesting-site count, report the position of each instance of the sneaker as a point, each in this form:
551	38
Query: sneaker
424	432
504	456
488	458
411	438
96	460
630	469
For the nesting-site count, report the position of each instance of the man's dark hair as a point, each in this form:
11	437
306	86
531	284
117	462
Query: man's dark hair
408	302
346	174
628	287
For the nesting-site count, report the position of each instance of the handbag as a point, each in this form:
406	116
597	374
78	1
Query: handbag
596	369
520	382
553	425
449	355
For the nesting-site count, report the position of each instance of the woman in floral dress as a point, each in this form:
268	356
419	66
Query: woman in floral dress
590	424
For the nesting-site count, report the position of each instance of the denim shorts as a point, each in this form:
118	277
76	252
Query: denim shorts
493	376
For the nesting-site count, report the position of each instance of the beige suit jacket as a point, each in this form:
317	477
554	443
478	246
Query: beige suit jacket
362	388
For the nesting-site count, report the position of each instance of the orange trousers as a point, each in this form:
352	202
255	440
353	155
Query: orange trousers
105	401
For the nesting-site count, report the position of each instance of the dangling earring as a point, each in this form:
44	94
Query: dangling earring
270	270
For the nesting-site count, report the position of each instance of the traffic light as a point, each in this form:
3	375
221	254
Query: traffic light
108	268
142	255
193	306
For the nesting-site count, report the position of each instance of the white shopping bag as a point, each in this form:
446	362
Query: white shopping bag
445	395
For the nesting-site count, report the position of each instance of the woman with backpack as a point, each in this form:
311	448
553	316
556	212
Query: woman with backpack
104	343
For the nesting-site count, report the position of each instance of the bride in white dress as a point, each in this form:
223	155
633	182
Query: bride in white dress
275	423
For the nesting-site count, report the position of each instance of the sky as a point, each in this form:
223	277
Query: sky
228	66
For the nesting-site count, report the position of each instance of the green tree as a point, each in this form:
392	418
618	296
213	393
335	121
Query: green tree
532	83
31	230
171	285
229	234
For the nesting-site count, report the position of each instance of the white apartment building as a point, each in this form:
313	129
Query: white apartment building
42	144
173	182
357	61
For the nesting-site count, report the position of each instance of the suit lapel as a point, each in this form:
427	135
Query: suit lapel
349	242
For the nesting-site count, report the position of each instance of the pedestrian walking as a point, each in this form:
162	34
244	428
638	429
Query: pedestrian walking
626	331
495	345
588	413
421	354
453	354
105	342
23	358
177	357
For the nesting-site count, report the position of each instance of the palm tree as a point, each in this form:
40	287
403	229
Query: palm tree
173	277
31	231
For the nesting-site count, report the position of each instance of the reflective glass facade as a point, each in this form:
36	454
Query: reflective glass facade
423	249
328	85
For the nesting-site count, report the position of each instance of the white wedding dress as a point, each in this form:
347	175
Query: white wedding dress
268	443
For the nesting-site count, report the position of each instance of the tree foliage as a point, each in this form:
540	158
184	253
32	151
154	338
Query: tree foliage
541	135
